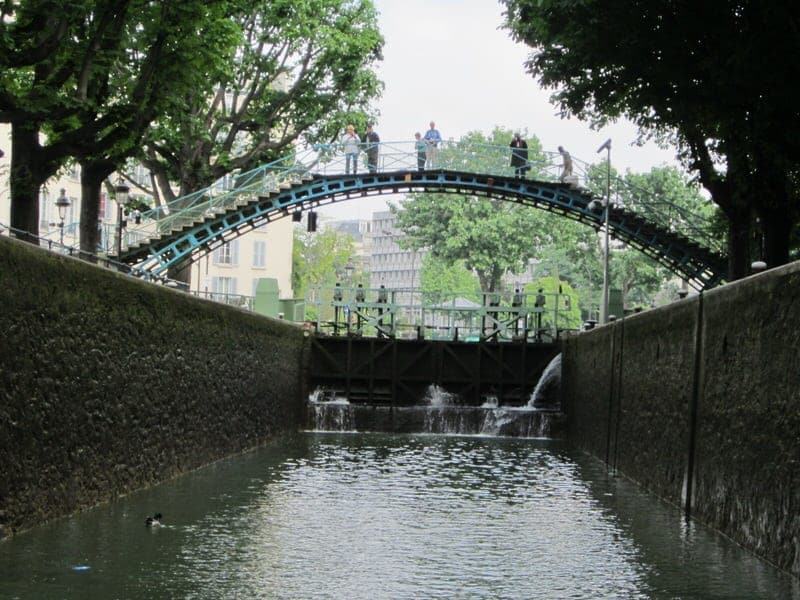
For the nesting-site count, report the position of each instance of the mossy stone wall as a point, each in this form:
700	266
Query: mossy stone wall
109	384
699	402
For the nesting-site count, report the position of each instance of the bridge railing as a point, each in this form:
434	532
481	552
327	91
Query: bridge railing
238	188
412	313
328	159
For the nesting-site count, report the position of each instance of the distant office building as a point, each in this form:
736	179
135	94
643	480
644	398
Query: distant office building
390	265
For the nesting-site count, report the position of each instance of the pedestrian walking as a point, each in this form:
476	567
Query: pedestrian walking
371	140
432	140
566	166
350	143
519	155
421	147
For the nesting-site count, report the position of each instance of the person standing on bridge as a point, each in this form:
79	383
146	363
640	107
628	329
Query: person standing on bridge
371	141
519	155
566	166
421	147
432	139
350	143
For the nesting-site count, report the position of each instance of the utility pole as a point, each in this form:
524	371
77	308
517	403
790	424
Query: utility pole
604	305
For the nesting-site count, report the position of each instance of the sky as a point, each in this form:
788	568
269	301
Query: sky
449	61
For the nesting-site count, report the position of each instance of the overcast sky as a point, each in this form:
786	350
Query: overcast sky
449	61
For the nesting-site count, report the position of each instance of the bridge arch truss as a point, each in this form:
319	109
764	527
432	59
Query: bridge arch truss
700	266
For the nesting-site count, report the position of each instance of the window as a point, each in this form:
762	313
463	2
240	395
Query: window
227	254
223	285
259	254
255	286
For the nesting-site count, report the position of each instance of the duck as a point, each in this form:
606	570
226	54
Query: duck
154	521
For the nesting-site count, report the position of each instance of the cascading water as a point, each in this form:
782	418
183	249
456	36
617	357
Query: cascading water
330	412
442	412
546	391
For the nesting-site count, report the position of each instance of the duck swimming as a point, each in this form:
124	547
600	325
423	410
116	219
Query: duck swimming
154	521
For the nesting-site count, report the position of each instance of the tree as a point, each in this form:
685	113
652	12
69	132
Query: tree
171	50
569	310
319	259
491	237
89	74
693	72
301	68
440	280
575	252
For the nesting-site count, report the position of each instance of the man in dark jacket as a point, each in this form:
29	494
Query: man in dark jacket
519	155
371	141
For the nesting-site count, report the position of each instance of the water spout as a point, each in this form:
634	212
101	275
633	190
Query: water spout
547	389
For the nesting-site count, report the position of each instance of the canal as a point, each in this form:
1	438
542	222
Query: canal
379	516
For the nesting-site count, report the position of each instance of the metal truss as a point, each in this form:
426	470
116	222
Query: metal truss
702	267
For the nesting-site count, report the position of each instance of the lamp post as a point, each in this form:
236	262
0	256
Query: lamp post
604	305
62	204
121	196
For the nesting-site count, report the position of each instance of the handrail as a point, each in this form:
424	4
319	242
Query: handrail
97	259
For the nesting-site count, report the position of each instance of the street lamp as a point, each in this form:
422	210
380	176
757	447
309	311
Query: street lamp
121	196
349	268
604	306
62	204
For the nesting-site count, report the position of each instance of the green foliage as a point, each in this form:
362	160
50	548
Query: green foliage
441	281
93	74
665	195
491	237
694	73
300	68
319	259
557	290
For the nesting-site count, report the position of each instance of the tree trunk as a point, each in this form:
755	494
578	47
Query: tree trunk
777	226
26	179
739	237
93	173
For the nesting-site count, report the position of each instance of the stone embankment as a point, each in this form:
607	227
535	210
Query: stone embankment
109	384
699	402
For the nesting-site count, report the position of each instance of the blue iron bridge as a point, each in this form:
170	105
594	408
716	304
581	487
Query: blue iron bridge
183	231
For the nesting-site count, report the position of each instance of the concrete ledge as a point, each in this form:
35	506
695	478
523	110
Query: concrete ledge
108	384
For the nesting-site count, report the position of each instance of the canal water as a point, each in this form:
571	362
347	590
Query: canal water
380	516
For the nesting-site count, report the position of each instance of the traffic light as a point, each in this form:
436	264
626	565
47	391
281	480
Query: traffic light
312	222
297	216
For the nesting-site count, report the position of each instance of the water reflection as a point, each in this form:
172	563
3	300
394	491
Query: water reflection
373	516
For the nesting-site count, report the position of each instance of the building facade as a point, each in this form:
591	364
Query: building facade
391	265
232	269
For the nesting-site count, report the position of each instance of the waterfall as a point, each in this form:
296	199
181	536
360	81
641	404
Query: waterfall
437	396
546	391
330	412
494	419
440	412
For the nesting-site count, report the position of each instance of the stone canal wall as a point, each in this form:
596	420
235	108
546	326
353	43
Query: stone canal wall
108	384
699	401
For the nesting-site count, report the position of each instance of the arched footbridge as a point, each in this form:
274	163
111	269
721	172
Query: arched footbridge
186	229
